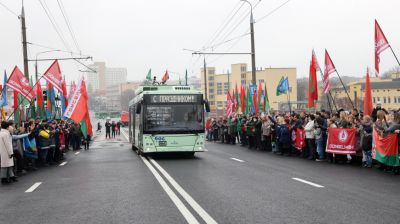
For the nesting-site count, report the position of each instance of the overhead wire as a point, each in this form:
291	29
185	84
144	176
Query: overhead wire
8	9
67	22
273	11
53	23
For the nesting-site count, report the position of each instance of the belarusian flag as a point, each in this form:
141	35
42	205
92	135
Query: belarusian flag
243	98
78	107
312	82
385	149
39	98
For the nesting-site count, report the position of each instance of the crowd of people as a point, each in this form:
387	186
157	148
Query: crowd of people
35	144
273	132
112	128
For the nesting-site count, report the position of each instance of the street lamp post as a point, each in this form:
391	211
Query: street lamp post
36	60
253	51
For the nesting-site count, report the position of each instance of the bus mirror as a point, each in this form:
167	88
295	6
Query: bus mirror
138	108
207	105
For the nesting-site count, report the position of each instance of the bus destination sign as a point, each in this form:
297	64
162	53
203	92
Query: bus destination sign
174	98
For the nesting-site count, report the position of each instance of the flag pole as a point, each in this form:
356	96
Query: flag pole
344	87
398	62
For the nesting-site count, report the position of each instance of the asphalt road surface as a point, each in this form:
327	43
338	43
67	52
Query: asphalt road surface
110	183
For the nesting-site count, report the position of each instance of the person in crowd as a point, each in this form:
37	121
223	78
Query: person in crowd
118	130
86	142
17	135
320	137
113	129
56	133
258	133
366	141
44	142
6	154
108	129
377	108
310	138
214	130
267	134
250	130
232	131
283	137
243	131
98	127
208	128
224	132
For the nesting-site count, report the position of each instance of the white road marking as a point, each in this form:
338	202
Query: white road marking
178	203
62	164
203	214
77	153
33	187
239	160
307	182
124	134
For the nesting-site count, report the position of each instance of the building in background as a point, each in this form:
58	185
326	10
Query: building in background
104	76
385	91
218	85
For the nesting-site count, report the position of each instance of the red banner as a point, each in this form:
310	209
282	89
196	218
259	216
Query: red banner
341	141
53	75
299	138
20	83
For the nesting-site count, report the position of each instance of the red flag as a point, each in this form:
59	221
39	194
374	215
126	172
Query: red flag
381	44
64	92
77	107
312	82
329	69
53	75
255	104
18	82
165	77
39	95
72	90
367	96
229	105
259	94
242	98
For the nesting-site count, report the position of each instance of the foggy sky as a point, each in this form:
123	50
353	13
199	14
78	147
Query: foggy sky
140	35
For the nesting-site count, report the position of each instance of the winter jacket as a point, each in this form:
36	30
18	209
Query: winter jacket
309	128
44	139
6	149
267	128
283	133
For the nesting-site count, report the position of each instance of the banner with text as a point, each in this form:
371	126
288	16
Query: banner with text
341	141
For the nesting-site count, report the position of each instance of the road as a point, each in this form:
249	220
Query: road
227	184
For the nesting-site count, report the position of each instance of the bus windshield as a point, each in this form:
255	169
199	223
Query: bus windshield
184	118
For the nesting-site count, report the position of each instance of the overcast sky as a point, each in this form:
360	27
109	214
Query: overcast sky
140	35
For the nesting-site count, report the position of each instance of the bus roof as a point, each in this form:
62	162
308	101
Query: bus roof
162	89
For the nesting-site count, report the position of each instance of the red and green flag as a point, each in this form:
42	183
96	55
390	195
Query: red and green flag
386	149
242	98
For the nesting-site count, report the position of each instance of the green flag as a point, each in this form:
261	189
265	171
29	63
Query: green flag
148	77
249	102
83	128
266	100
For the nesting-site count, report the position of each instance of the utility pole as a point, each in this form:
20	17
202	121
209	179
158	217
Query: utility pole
205	79
24	43
253	51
